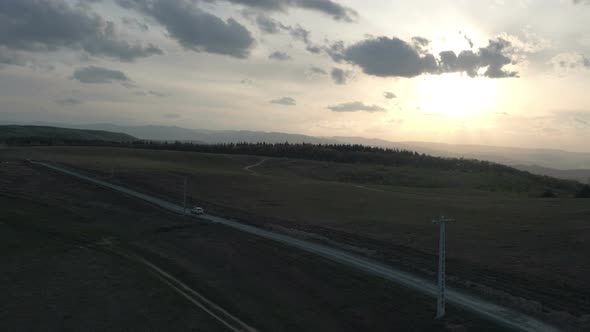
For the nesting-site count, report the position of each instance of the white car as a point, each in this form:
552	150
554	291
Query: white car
197	210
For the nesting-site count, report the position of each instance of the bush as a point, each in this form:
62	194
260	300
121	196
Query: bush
548	194
584	192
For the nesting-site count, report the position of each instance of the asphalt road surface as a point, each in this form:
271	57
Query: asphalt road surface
501	315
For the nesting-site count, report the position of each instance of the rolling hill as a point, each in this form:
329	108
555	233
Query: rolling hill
14	132
558	163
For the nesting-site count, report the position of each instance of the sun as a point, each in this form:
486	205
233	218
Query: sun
457	95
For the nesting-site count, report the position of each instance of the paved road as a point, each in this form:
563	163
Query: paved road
501	315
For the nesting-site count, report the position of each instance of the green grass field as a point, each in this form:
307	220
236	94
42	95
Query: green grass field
509	239
54	275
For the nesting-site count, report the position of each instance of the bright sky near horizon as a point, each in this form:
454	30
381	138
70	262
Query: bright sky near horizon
495	72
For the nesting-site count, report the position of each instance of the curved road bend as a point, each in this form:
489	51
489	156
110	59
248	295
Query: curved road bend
501	315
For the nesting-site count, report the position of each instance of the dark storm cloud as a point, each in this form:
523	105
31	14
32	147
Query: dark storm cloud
288	101
50	25
99	75
340	76
393	57
279	56
389	95
328	7
356	106
196	29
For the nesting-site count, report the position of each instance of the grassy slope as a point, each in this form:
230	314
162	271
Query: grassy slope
406	176
508	240
50	282
493	229
14	131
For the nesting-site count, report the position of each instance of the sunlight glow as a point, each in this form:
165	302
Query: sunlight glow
457	95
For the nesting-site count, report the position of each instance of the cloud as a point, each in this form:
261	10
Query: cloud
280	56
265	23
269	25
196	29
337	11
356	106
69	101
328	7
172	116
393	57
303	35
299	33
99	75
385	57
396	121
159	94
317	71
284	101
153	93
135	23
468	40
389	95
50	25
569	61
420	44
490	57
340	76
12	57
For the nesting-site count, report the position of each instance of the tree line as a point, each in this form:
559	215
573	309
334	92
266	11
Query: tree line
341	153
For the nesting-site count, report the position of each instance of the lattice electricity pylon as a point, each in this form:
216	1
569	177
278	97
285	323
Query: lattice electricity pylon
440	304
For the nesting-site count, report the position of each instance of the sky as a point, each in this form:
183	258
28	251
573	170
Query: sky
493	72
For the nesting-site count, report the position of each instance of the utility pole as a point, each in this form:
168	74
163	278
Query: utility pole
184	199
440	304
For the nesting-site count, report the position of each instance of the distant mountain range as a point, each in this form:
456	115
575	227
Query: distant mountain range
558	163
